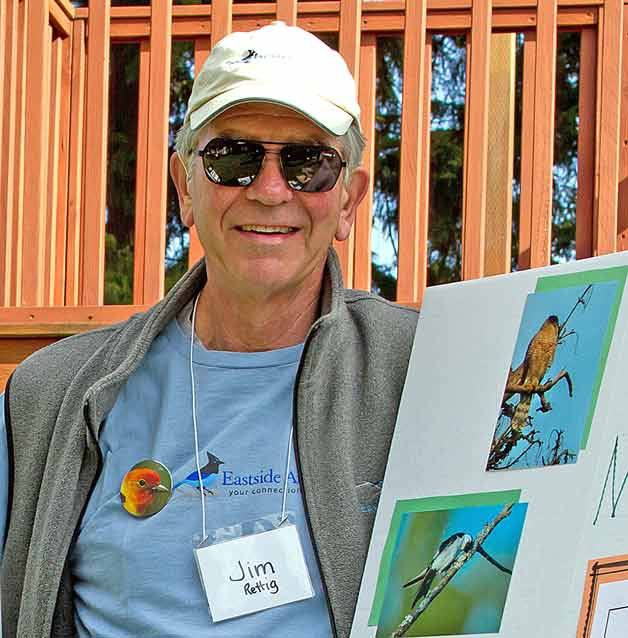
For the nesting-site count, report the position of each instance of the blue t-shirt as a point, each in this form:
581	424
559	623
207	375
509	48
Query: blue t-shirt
137	576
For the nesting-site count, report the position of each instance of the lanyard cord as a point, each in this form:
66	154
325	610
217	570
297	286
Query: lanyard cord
285	482
198	462
196	450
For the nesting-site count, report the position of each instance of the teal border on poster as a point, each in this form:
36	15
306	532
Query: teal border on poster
429	504
584	278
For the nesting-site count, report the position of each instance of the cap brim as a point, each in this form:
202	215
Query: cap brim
328	116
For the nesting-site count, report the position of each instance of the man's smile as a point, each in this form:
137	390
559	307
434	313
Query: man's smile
263	231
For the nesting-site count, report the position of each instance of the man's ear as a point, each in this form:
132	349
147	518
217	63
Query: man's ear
353	194
180	179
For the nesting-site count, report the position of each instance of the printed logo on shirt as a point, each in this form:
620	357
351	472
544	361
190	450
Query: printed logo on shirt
207	478
266	481
225	482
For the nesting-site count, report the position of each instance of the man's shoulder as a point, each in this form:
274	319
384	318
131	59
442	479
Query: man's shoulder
376	309
62	360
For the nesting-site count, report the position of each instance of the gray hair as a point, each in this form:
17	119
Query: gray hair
352	143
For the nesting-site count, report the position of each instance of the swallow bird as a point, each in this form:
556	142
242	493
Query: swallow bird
138	490
448	551
209	474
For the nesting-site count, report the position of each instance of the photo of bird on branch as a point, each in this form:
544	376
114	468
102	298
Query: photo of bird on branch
553	379
466	558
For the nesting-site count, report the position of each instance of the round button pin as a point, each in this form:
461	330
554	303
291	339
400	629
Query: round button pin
146	488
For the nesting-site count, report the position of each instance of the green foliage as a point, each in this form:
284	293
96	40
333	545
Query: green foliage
447	153
118	271
121	166
177	237
446	156
566	147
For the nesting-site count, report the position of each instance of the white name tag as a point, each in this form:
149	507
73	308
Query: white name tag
253	573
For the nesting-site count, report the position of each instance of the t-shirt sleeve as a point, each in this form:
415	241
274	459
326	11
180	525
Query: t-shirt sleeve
4	475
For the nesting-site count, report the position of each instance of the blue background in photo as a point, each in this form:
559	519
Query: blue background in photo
579	355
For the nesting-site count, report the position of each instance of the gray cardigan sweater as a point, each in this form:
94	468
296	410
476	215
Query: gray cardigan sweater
345	404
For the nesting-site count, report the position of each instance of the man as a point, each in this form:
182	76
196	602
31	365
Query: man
258	362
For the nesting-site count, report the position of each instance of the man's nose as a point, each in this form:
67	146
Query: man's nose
270	187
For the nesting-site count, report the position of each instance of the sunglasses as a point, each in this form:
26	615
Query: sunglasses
308	168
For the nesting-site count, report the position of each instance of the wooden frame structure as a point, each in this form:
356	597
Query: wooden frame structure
53	175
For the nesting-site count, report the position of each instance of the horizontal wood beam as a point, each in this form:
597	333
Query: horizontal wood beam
368	7
384	23
128	23
49	320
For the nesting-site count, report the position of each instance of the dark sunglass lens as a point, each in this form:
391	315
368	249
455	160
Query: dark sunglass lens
311	169
232	162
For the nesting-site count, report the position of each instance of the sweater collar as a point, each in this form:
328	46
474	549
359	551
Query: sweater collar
137	334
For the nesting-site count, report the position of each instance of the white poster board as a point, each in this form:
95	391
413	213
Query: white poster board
504	479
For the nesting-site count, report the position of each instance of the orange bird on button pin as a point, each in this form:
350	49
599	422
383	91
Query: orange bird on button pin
139	489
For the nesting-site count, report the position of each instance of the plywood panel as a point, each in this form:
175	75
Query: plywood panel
97	95
476	141
36	141
605	215
586	144
544	97
412	220
364	218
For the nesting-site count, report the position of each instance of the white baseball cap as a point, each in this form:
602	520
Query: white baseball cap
280	65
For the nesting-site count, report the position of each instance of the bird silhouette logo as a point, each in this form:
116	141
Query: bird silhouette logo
146	488
207	478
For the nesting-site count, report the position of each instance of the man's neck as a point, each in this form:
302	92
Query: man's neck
255	323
